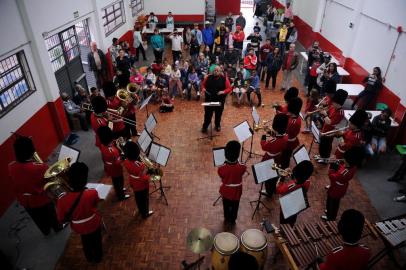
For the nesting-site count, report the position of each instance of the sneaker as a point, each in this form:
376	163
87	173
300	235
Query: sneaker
218	129
184	91
324	217
401	198
327	187
322	161
150	213
124	189
126	196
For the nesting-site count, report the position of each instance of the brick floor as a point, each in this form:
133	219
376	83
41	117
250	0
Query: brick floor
160	241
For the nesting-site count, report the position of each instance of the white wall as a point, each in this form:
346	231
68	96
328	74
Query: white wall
308	11
175	6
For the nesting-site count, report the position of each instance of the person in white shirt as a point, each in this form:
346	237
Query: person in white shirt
170	21
175	84
138	44
177	45
152	21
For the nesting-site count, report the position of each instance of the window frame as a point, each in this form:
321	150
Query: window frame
26	76
118	13
136	7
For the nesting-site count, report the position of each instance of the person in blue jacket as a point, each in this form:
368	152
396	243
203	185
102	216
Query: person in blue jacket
158	45
208	35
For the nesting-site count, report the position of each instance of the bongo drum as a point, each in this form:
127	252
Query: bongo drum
225	244
254	242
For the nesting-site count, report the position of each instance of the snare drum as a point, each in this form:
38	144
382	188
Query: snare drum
254	242
225	244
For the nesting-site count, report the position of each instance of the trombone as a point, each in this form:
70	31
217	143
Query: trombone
327	160
262	126
332	132
281	172
110	112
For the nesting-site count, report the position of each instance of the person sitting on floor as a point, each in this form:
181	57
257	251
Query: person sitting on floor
166	104
239	87
380	128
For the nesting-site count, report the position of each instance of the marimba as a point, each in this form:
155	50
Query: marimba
303	243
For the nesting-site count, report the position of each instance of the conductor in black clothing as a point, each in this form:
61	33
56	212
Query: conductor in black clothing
123	65
215	87
98	64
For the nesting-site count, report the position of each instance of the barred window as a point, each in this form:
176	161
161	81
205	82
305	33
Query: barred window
137	6
113	17
16	82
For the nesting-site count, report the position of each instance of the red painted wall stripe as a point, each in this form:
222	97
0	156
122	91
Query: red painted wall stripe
223	7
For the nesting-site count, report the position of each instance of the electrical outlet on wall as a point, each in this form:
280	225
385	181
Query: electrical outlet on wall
351	25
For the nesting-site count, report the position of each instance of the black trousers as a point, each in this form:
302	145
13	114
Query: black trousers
158	55
92	246
230	208
325	146
137	53
257	92
118	184
131	129
262	70
366	97
285	158
271	74
270	186
176	55
208	114
45	218
401	171
332	206
290	220
142	201
312	83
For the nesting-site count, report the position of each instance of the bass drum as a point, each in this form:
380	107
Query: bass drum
225	244
254	242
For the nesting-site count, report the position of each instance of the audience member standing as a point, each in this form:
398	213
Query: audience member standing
241	21
114	48
238	37
198	34
274	64
372	88
170	21
123	69
290	62
177	44
208	35
291	36
158	45
229	21
152	21
98	64
138	44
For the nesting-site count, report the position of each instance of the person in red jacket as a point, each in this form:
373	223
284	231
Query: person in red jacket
231	177
138	178
293	130
353	135
340	174
27	177
99	116
300	179
274	146
331	118
291	93
238	38
264	51
79	208
112	161
250	61
351	255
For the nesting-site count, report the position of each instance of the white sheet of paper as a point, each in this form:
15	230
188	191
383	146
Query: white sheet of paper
145	102
315	132
264	171
163	156
292	203
301	155
67	152
211	104
145	144
102	189
142	137
219	157
153	152
255	116
242	131
150	123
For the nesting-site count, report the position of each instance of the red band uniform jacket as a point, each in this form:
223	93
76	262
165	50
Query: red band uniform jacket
231	178
137	176
351	138
284	188
112	160
274	147
293	130
97	121
336	116
348	257
339	181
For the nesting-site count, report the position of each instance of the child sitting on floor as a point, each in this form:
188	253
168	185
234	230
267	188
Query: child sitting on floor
166	104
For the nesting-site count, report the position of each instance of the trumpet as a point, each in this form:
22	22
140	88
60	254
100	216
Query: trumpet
37	158
262	126
332	132
115	114
155	171
327	160
281	172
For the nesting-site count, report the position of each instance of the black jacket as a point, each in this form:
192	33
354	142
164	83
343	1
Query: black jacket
92	63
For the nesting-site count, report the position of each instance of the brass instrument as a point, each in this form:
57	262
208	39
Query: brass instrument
273	105
327	160
332	132
281	172
57	179
317	110
37	158
132	89
110	112
155	172
262	126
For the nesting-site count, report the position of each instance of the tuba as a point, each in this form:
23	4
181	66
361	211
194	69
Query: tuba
155	172
125	99
57	179
132	89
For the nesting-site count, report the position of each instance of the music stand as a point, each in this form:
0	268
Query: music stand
150	125
293	203
262	172
144	103
316	135
300	154
160	155
210	136
218	159
255	121
144	140
69	152
243	132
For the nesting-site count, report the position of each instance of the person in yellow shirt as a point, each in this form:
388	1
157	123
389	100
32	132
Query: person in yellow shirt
281	37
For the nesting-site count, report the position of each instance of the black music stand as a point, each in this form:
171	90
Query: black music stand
243	131
150	125
255	121
144	103
161	188
316	135
218	160
160	154
210	136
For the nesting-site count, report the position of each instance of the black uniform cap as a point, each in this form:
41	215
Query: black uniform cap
132	150
280	123
358	118
242	261
105	135
232	151
295	105
330	87
99	104
351	225
355	155
109	89
77	175
23	148
303	171
340	96
291	93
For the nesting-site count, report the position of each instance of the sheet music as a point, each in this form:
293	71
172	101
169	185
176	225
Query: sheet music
264	171
255	116
153	152
292	203
243	131
102	189
163	156
145	102
144	140
315	132
68	152
150	123
219	156
301	154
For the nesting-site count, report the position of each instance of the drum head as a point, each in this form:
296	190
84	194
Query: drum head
226	243
253	240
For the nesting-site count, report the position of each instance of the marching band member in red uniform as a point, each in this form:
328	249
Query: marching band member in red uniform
79	207
340	174
293	130
138	178
28	181
114	103
332	118
292	92
300	179
351	255
274	146
99	117
231	177
112	161
353	135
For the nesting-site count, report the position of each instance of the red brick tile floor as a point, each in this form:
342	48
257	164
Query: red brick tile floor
160	241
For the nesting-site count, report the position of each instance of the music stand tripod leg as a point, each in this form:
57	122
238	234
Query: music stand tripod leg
216	201
259	202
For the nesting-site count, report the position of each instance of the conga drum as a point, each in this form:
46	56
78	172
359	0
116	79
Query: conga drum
225	244
254	242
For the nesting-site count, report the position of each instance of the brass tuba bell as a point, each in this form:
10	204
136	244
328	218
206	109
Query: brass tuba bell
57	179
156	172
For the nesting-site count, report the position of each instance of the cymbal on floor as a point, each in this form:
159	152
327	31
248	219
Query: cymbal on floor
199	240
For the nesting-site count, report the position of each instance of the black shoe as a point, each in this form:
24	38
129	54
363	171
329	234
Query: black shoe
217	129
125	197
393	179
403	191
204	130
